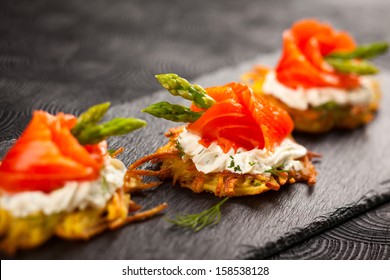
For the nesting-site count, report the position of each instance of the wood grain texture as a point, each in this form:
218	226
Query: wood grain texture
66	56
365	238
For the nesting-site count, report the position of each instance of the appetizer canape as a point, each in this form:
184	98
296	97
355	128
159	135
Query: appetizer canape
323	79
235	143
59	179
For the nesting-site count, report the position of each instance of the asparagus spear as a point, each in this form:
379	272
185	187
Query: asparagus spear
362	52
92	134
178	86
361	67
354	61
88	131
92	116
172	112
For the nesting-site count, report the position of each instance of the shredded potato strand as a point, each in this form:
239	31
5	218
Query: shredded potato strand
152	157
118	152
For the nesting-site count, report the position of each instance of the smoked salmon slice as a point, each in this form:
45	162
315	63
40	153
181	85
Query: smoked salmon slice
302	62
47	155
241	119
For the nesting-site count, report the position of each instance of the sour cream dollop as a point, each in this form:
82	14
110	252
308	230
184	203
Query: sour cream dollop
256	161
72	196
301	98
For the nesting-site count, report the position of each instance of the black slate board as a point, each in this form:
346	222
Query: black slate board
353	177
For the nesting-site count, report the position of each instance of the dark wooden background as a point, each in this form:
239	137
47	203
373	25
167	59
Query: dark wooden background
68	55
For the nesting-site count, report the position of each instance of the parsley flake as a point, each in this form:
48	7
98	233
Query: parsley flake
277	170
179	148
231	164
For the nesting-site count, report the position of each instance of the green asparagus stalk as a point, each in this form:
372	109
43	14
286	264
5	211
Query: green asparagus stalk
92	116
92	134
172	112
178	86
360	67
362	52
88	130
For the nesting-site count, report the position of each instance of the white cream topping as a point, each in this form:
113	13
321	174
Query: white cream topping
301	98
256	161
73	195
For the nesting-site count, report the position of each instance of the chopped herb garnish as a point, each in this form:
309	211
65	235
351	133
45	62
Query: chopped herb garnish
231	164
276	170
201	220
237	168
180	149
252	163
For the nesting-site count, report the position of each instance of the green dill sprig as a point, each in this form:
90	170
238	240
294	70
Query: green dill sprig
199	221
277	170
